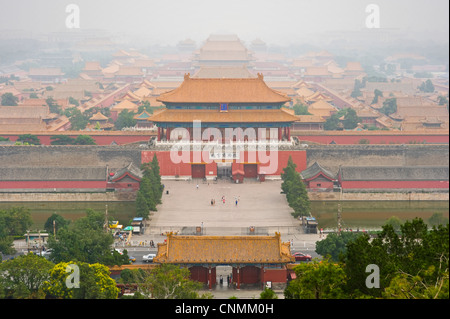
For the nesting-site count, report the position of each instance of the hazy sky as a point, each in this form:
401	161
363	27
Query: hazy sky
271	20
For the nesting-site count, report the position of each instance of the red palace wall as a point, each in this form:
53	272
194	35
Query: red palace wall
374	138
323	184
53	184
394	184
106	138
274	162
201	274
100	139
274	275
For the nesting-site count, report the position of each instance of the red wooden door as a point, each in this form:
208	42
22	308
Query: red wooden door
198	170
250	170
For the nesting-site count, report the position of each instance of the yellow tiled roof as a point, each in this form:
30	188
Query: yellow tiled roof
125	105
223	249
243	90
215	116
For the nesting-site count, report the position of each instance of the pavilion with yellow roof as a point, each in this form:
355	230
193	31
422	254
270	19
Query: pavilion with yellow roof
225	111
223	103
254	259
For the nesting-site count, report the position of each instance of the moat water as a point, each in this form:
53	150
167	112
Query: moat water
361	214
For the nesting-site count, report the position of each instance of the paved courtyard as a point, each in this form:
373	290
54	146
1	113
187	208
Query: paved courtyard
259	204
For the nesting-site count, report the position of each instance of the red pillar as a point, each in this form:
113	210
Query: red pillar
280	134
159	134
168	134
209	278
289	133
262	276
238	279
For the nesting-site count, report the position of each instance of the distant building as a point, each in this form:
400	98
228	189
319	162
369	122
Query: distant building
46	75
255	260
223	50
222	105
317	178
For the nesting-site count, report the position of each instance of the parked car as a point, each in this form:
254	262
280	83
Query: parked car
132	259
148	258
301	257
44	253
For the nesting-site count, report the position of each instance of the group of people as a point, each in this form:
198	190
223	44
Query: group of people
213	201
229	279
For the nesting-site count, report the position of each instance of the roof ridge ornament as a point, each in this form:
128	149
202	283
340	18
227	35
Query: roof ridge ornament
187	76
260	76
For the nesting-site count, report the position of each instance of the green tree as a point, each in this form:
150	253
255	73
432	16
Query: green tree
437	219
23	277
301	109
377	94
406	286
6	245
170	282
389	106
411	251
94	282
62	140
395	222
145	106
332	123
8	99
142	209
156	179
317	280
335	245
29	139
442	100
78	120
125	119
73	101
427	86
148	194
356	89
84	140
295	190
268	294
85	241
351	120
53	106
58	221
15	221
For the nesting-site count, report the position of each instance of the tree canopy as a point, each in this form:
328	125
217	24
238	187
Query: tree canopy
29	139
24	276
125	119
94	282
151	189
85	241
295	190
412	263
8	99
